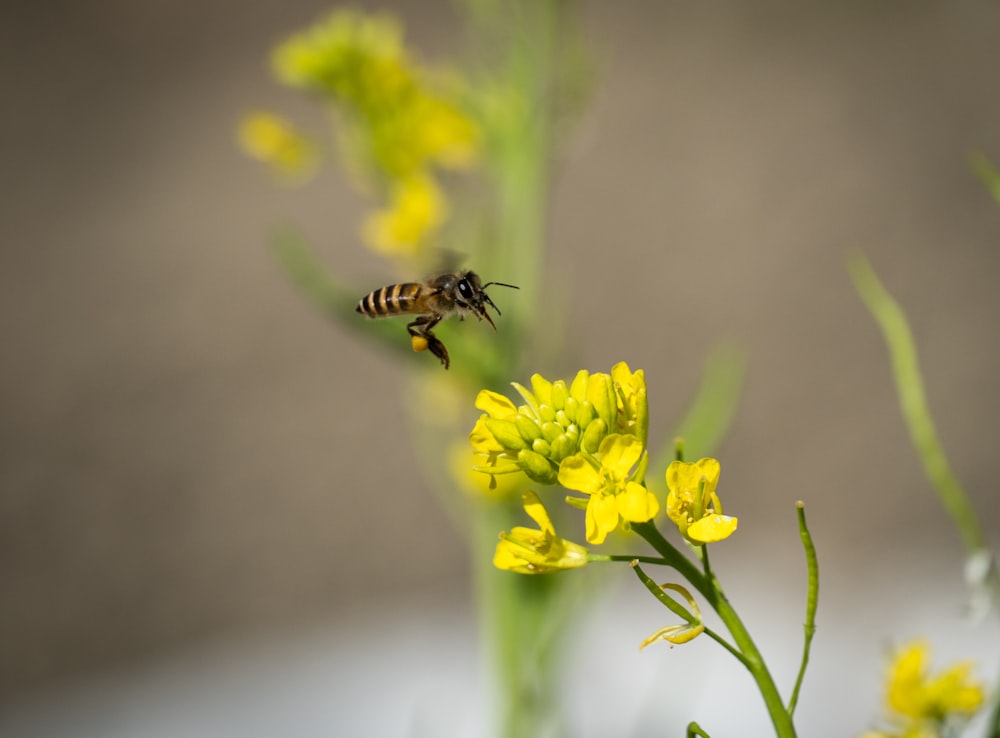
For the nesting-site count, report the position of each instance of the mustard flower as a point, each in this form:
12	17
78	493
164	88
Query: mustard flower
531	551
692	503
607	479
913	693
273	140
920	704
400	122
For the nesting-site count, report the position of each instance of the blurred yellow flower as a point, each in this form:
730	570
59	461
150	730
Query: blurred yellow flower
531	551
399	122
920	705
692	503
913	693
271	139
416	210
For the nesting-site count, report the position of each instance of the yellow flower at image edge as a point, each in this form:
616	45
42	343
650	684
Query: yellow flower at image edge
531	551
613	496
416	210
913	693
692	503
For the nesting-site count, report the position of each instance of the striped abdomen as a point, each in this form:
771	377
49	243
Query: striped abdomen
392	300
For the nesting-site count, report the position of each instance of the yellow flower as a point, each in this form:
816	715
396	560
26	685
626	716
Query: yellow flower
913	693
531	551
613	496
273	140
692	503
415	213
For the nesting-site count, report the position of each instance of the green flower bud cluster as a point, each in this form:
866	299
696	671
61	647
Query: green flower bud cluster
557	420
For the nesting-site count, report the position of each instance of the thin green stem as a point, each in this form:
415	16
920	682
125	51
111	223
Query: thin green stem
812	599
713	594
913	402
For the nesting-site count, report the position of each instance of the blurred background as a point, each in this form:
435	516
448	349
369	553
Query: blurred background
210	522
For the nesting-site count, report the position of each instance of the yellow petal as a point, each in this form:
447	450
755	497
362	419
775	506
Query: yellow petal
602	517
712	528
620	453
575	472
496	405
537	512
637	504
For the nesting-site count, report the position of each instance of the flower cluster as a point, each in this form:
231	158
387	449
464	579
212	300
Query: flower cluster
590	436
399	122
923	705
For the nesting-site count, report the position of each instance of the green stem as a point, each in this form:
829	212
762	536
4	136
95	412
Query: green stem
694	729
710	589
679	610
812	599
913	402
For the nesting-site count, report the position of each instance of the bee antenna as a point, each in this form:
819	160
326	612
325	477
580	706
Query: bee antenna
501	284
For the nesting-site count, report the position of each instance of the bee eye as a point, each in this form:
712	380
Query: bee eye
464	289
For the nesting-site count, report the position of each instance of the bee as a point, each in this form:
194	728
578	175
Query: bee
433	299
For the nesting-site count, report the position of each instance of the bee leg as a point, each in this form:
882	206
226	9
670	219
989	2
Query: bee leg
420	329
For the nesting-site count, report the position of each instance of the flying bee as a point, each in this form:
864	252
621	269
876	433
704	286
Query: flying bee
434	299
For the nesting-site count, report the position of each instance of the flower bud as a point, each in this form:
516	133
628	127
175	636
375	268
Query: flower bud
541	446
542	389
505	431
563	446
572	408
527	427
551	431
536	467
593	435
578	389
601	394
559	394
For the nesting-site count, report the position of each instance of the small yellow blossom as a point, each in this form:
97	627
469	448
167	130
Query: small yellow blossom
681	633
924	706
613	495
416	210
692	503
914	693
274	141
531	551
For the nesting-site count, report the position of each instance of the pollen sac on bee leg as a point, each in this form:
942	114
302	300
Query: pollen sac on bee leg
419	343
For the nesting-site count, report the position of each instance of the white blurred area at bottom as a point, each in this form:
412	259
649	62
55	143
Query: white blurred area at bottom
415	670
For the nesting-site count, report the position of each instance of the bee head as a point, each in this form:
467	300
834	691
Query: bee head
471	294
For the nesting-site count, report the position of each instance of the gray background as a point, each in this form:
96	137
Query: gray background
183	439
